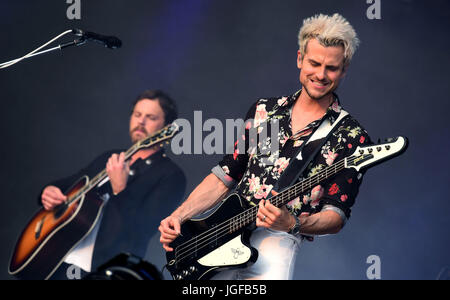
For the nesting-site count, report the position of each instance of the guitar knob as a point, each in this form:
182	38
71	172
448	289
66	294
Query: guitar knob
178	277
192	269
185	273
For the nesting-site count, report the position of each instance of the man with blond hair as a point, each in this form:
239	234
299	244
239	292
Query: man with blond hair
326	47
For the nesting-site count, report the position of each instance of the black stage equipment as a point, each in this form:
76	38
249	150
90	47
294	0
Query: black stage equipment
125	266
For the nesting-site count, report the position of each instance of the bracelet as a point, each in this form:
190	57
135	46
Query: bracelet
295	229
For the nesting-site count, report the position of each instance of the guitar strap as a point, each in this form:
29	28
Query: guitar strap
296	167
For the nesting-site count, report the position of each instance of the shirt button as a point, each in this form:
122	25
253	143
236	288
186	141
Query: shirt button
131	173
148	162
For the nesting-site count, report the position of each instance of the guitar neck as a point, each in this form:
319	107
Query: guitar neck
249	216
102	175
307	184
160	136
95	181
223	235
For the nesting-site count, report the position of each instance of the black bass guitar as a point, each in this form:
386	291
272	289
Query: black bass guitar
221	240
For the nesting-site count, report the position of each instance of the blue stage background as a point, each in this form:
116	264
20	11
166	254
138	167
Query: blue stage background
60	110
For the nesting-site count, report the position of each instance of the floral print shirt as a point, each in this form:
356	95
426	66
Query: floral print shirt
256	171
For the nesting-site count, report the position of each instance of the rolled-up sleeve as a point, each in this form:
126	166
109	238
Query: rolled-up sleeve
232	166
342	190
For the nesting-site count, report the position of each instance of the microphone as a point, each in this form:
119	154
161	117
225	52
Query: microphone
110	42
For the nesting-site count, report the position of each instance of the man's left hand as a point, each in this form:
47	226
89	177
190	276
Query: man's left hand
270	216
118	170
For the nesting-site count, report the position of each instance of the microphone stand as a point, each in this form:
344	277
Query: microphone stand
78	42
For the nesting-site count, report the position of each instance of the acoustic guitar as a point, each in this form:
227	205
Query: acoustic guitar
51	234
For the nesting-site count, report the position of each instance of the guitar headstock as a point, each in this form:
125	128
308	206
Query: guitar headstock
369	156
160	136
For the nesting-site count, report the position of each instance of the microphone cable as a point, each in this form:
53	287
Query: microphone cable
10	63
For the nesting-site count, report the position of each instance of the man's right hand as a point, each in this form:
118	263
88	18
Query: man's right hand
51	197
170	229
207	194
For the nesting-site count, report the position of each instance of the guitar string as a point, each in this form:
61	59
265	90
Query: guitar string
251	217
232	227
226	229
242	219
102	175
306	183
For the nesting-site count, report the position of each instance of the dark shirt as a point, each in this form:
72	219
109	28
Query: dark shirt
256	172
132	217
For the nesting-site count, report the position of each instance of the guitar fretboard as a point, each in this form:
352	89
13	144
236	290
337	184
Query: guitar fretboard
248	216
363	157
160	136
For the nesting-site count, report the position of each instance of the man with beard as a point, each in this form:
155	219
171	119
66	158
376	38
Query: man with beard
139	192
326	46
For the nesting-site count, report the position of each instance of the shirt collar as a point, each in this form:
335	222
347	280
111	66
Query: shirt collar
333	111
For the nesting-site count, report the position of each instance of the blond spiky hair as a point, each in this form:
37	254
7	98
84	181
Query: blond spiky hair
329	31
